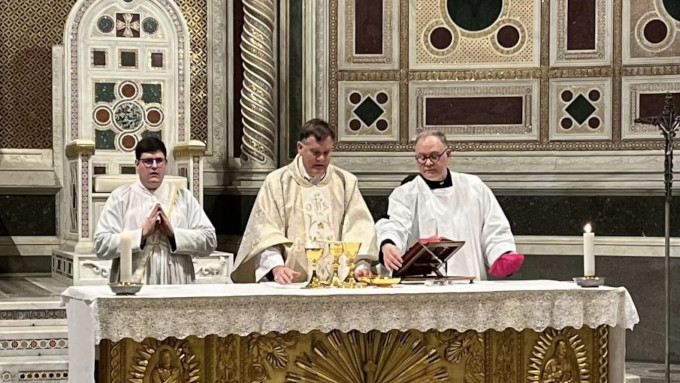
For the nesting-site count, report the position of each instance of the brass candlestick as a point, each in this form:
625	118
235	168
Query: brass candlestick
351	251
336	250
314	255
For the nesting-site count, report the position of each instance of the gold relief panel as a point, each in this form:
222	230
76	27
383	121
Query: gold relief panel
644	97
455	34
581	32
368	34
368	111
475	110
510	356
580	109
650	30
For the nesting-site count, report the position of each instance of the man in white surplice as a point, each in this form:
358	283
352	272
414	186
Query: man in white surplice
166	223
456	206
306	202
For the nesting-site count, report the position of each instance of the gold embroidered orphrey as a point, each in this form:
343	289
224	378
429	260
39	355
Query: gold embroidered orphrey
551	356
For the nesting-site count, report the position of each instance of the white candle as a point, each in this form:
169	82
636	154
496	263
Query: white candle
125	249
588	251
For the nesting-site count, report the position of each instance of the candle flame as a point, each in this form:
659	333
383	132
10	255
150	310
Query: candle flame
587	228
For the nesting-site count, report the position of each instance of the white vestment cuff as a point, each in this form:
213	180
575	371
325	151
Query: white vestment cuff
269	259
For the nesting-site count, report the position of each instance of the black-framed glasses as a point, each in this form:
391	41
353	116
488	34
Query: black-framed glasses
149	162
434	157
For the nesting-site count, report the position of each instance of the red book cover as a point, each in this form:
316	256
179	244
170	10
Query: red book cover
427	256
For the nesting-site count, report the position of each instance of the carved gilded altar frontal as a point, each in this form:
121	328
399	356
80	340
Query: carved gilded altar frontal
396	357
563	46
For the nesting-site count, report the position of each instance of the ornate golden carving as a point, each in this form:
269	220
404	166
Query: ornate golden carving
465	348
505	363
569	355
374	357
169	361
268	352
259	84
559	356
227	359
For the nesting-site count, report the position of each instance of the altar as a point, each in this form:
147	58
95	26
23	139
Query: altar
501	331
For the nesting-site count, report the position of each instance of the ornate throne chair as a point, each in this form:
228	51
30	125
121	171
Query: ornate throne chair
125	70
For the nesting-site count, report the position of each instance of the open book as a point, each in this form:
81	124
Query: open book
427	256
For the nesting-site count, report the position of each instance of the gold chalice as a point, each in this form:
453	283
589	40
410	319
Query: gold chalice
336	249
314	255
351	251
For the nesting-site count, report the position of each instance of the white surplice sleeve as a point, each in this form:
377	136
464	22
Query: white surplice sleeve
110	227
397	227
497	236
269	259
199	238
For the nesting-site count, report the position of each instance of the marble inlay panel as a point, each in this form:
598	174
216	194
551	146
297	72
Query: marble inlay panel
632	88
650	30
369	111
580	109
581	32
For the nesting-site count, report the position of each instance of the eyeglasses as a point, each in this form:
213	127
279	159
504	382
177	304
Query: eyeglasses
149	162
434	157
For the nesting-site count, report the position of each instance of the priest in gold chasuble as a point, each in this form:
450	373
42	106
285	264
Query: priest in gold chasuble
306	202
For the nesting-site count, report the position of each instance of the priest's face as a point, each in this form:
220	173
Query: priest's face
151	168
316	155
433	158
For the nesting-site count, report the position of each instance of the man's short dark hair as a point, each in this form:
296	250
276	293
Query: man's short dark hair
318	128
150	145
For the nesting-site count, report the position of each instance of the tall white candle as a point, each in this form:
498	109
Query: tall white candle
588	251
125	249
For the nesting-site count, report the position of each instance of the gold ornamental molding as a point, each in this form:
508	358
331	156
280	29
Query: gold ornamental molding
189	149
259	84
79	147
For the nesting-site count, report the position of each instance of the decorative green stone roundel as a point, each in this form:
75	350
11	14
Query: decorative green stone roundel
105	24
474	15
150	25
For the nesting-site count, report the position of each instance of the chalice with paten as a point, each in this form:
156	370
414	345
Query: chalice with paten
351	251
336	249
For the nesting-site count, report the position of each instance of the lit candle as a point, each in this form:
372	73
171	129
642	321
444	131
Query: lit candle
125	249
588	251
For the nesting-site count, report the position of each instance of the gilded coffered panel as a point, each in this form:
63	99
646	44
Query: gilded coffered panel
368	111
650	30
581	32
458	34
476	111
368	34
580	109
644	97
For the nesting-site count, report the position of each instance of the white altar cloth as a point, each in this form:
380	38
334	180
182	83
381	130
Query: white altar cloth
95	313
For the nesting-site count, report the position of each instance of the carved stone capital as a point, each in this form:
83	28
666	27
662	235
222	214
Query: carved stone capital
79	147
